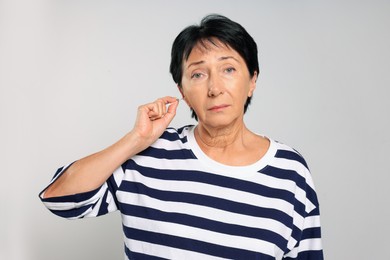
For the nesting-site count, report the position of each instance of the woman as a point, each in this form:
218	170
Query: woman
211	191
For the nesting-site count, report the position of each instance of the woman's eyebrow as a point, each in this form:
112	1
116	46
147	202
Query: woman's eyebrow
195	63
228	57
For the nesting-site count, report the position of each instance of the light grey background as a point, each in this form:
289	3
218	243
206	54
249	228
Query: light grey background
72	74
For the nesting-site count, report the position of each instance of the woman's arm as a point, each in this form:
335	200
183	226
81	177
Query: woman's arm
92	171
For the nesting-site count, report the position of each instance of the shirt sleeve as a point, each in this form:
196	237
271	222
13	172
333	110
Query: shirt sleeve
86	204
307	228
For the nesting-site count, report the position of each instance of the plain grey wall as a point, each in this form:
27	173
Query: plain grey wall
72	74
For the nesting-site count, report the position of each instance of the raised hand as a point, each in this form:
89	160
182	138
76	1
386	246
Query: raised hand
153	118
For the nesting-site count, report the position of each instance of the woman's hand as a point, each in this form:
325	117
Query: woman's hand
153	118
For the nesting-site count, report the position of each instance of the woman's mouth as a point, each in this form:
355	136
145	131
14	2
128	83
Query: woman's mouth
218	108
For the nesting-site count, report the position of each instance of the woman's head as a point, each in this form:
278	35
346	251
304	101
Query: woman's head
213	29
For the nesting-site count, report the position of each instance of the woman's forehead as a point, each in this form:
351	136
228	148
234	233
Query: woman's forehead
204	48
209	44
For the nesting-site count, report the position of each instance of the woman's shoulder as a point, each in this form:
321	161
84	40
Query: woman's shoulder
173	133
173	138
287	153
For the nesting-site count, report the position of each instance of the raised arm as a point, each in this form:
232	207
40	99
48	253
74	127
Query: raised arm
92	171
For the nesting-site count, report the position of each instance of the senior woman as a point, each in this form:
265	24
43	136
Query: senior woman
211	191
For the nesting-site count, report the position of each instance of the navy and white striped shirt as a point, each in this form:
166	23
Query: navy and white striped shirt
177	203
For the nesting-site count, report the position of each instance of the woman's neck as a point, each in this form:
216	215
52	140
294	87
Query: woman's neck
220	138
236	146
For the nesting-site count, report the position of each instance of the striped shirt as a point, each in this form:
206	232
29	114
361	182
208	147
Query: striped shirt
177	203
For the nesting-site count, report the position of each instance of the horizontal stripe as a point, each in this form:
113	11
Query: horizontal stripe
206	184
134	254
291	155
195	239
208	201
162	252
218	182
131	201
206	224
73	213
160	153
164	164
308	249
308	255
312	221
76	200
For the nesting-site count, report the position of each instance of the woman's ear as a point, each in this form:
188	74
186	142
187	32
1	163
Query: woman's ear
182	94
252	84
181	90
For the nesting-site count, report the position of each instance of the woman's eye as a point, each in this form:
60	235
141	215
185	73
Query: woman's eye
230	70
196	75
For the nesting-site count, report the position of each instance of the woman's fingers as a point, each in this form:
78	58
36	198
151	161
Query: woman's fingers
154	118
158	108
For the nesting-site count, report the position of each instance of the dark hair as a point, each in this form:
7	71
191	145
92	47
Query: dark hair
214	27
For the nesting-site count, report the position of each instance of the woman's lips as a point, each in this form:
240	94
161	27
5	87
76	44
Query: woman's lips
218	107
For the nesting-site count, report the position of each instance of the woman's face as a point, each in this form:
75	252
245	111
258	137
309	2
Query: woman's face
216	84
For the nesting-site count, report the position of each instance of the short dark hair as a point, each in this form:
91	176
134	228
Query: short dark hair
214	27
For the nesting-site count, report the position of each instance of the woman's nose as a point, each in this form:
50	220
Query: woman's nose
215	86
